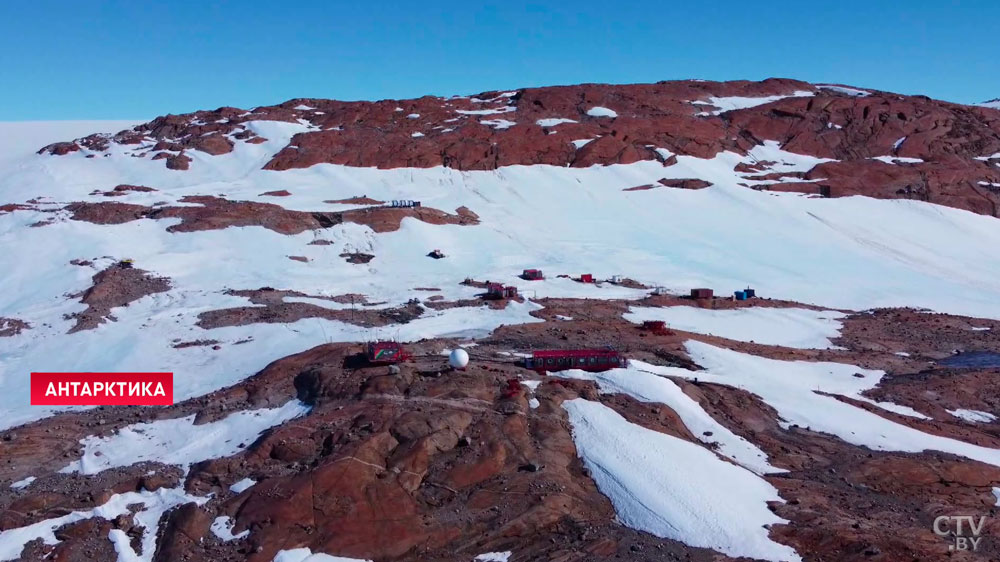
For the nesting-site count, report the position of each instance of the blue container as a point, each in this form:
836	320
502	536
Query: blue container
750	293
740	295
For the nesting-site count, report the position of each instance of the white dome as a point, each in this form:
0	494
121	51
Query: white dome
458	359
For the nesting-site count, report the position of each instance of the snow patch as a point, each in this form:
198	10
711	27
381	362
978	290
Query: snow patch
222	527
498	123
974	416
506	109
700	500
21	484
732	103
599	111
898	159
242	485
844	90
798	391
154	505
493	557
179	441
646	386
553	121
306	555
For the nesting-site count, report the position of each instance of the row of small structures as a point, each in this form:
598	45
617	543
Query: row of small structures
391	353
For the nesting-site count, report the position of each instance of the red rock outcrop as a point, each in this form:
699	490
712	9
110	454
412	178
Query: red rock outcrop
214	213
118	285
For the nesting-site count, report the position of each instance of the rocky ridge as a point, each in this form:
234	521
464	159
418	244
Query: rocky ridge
879	144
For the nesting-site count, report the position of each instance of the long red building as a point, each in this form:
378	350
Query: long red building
585	359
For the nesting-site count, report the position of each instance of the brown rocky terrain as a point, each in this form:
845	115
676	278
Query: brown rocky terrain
118	285
12	327
422	463
946	148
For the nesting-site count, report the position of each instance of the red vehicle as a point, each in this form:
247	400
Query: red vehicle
585	359
532	275
587	278
386	353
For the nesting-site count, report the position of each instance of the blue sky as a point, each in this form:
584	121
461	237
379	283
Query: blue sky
104	59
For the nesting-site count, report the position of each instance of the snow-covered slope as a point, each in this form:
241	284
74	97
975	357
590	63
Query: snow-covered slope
850	253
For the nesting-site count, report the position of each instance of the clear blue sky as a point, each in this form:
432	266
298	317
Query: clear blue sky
133	59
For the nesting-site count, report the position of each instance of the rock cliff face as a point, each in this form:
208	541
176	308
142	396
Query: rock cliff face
879	144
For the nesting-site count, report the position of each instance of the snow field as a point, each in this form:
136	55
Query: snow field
798	391
673	488
789	327
648	387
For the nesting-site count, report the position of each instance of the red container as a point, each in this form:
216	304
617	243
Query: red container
701	293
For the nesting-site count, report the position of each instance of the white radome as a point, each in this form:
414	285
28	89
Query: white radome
458	359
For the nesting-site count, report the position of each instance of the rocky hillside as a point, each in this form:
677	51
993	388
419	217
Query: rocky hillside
872	143
834	416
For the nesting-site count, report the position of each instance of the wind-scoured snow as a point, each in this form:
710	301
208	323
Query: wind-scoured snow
154	505
505	109
897	159
599	111
845	90
649	387
222	527
673	488
498	123
553	121
22	484
789	327
179	441
974	416
805	394
732	103
306	555
242	485
493	557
